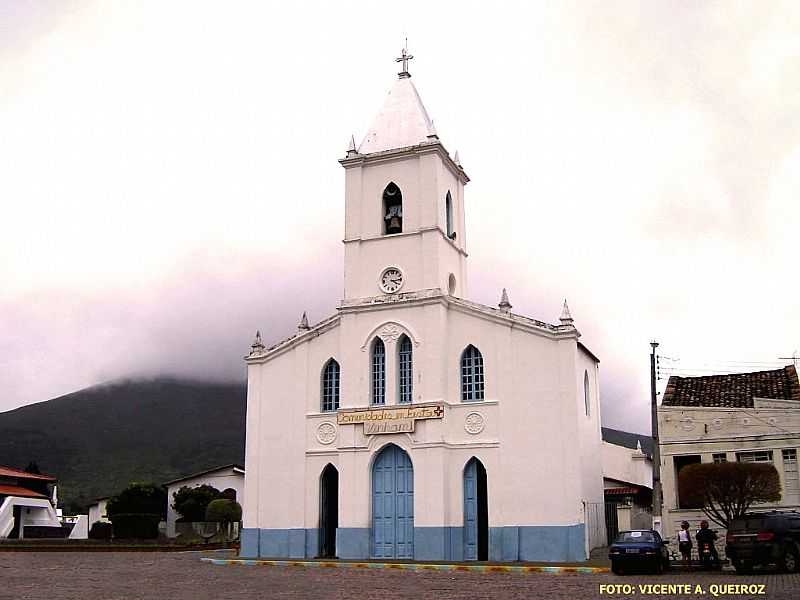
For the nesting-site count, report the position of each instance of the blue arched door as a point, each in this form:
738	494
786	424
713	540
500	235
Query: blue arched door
476	525
392	504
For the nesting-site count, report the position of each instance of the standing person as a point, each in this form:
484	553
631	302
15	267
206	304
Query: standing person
708	536
685	544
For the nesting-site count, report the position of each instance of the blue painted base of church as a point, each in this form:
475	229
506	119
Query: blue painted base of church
557	543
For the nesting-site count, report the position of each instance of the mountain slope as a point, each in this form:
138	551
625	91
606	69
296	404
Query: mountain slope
98	439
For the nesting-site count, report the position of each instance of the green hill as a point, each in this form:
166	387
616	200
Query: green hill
98	439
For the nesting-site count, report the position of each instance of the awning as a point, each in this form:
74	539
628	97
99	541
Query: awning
622	491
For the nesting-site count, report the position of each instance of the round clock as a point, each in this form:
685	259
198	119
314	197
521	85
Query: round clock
391	280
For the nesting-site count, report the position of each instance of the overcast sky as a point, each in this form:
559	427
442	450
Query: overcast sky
169	184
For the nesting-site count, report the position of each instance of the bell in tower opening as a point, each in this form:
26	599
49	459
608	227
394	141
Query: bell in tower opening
392	209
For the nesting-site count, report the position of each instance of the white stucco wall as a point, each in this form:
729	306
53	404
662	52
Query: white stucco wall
423	252
222	480
541	452
98	512
34	511
626	464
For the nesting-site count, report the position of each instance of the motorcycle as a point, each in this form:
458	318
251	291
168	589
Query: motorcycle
705	549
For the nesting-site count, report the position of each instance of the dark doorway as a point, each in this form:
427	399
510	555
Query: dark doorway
476	512
681	462
612	523
328	511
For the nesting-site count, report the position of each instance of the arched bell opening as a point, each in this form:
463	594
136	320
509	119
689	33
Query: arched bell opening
392	209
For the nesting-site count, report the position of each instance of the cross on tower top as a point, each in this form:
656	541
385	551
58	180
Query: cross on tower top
404	58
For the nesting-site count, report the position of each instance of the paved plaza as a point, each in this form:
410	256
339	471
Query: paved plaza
182	576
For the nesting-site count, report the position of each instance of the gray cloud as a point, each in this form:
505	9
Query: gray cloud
639	159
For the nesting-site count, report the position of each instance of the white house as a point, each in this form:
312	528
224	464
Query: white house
227	477
414	423
25	502
628	480
745	417
98	511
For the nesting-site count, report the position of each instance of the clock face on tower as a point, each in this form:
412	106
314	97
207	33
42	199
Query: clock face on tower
391	280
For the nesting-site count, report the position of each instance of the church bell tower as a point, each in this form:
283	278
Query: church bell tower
404	204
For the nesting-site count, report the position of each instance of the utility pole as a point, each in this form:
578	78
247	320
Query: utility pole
656	449
794	358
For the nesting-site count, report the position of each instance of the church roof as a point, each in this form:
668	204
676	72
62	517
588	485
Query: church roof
401	122
736	390
627	439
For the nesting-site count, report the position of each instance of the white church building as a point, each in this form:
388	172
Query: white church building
414	423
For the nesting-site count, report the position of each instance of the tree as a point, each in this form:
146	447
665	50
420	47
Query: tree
726	491
225	512
139	498
191	502
136	511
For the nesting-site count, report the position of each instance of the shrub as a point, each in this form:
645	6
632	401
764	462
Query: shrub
101	530
137	510
191	502
224	511
137	526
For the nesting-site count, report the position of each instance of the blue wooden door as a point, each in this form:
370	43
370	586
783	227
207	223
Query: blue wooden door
471	511
392	505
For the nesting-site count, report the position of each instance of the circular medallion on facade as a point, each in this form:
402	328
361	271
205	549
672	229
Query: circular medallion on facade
474	423
326	433
716	423
687	423
745	421
772	421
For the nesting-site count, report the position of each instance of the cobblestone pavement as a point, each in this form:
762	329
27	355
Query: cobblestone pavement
171	576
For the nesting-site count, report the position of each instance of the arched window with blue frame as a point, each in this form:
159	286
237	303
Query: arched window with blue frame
405	371
378	372
330	386
472	379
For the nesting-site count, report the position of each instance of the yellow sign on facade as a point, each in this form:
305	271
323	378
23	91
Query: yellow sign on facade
389	420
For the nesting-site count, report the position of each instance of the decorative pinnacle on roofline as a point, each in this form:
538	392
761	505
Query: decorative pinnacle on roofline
303	324
257	347
351	147
504	304
566	316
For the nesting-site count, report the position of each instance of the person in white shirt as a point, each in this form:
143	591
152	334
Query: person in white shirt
685	543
